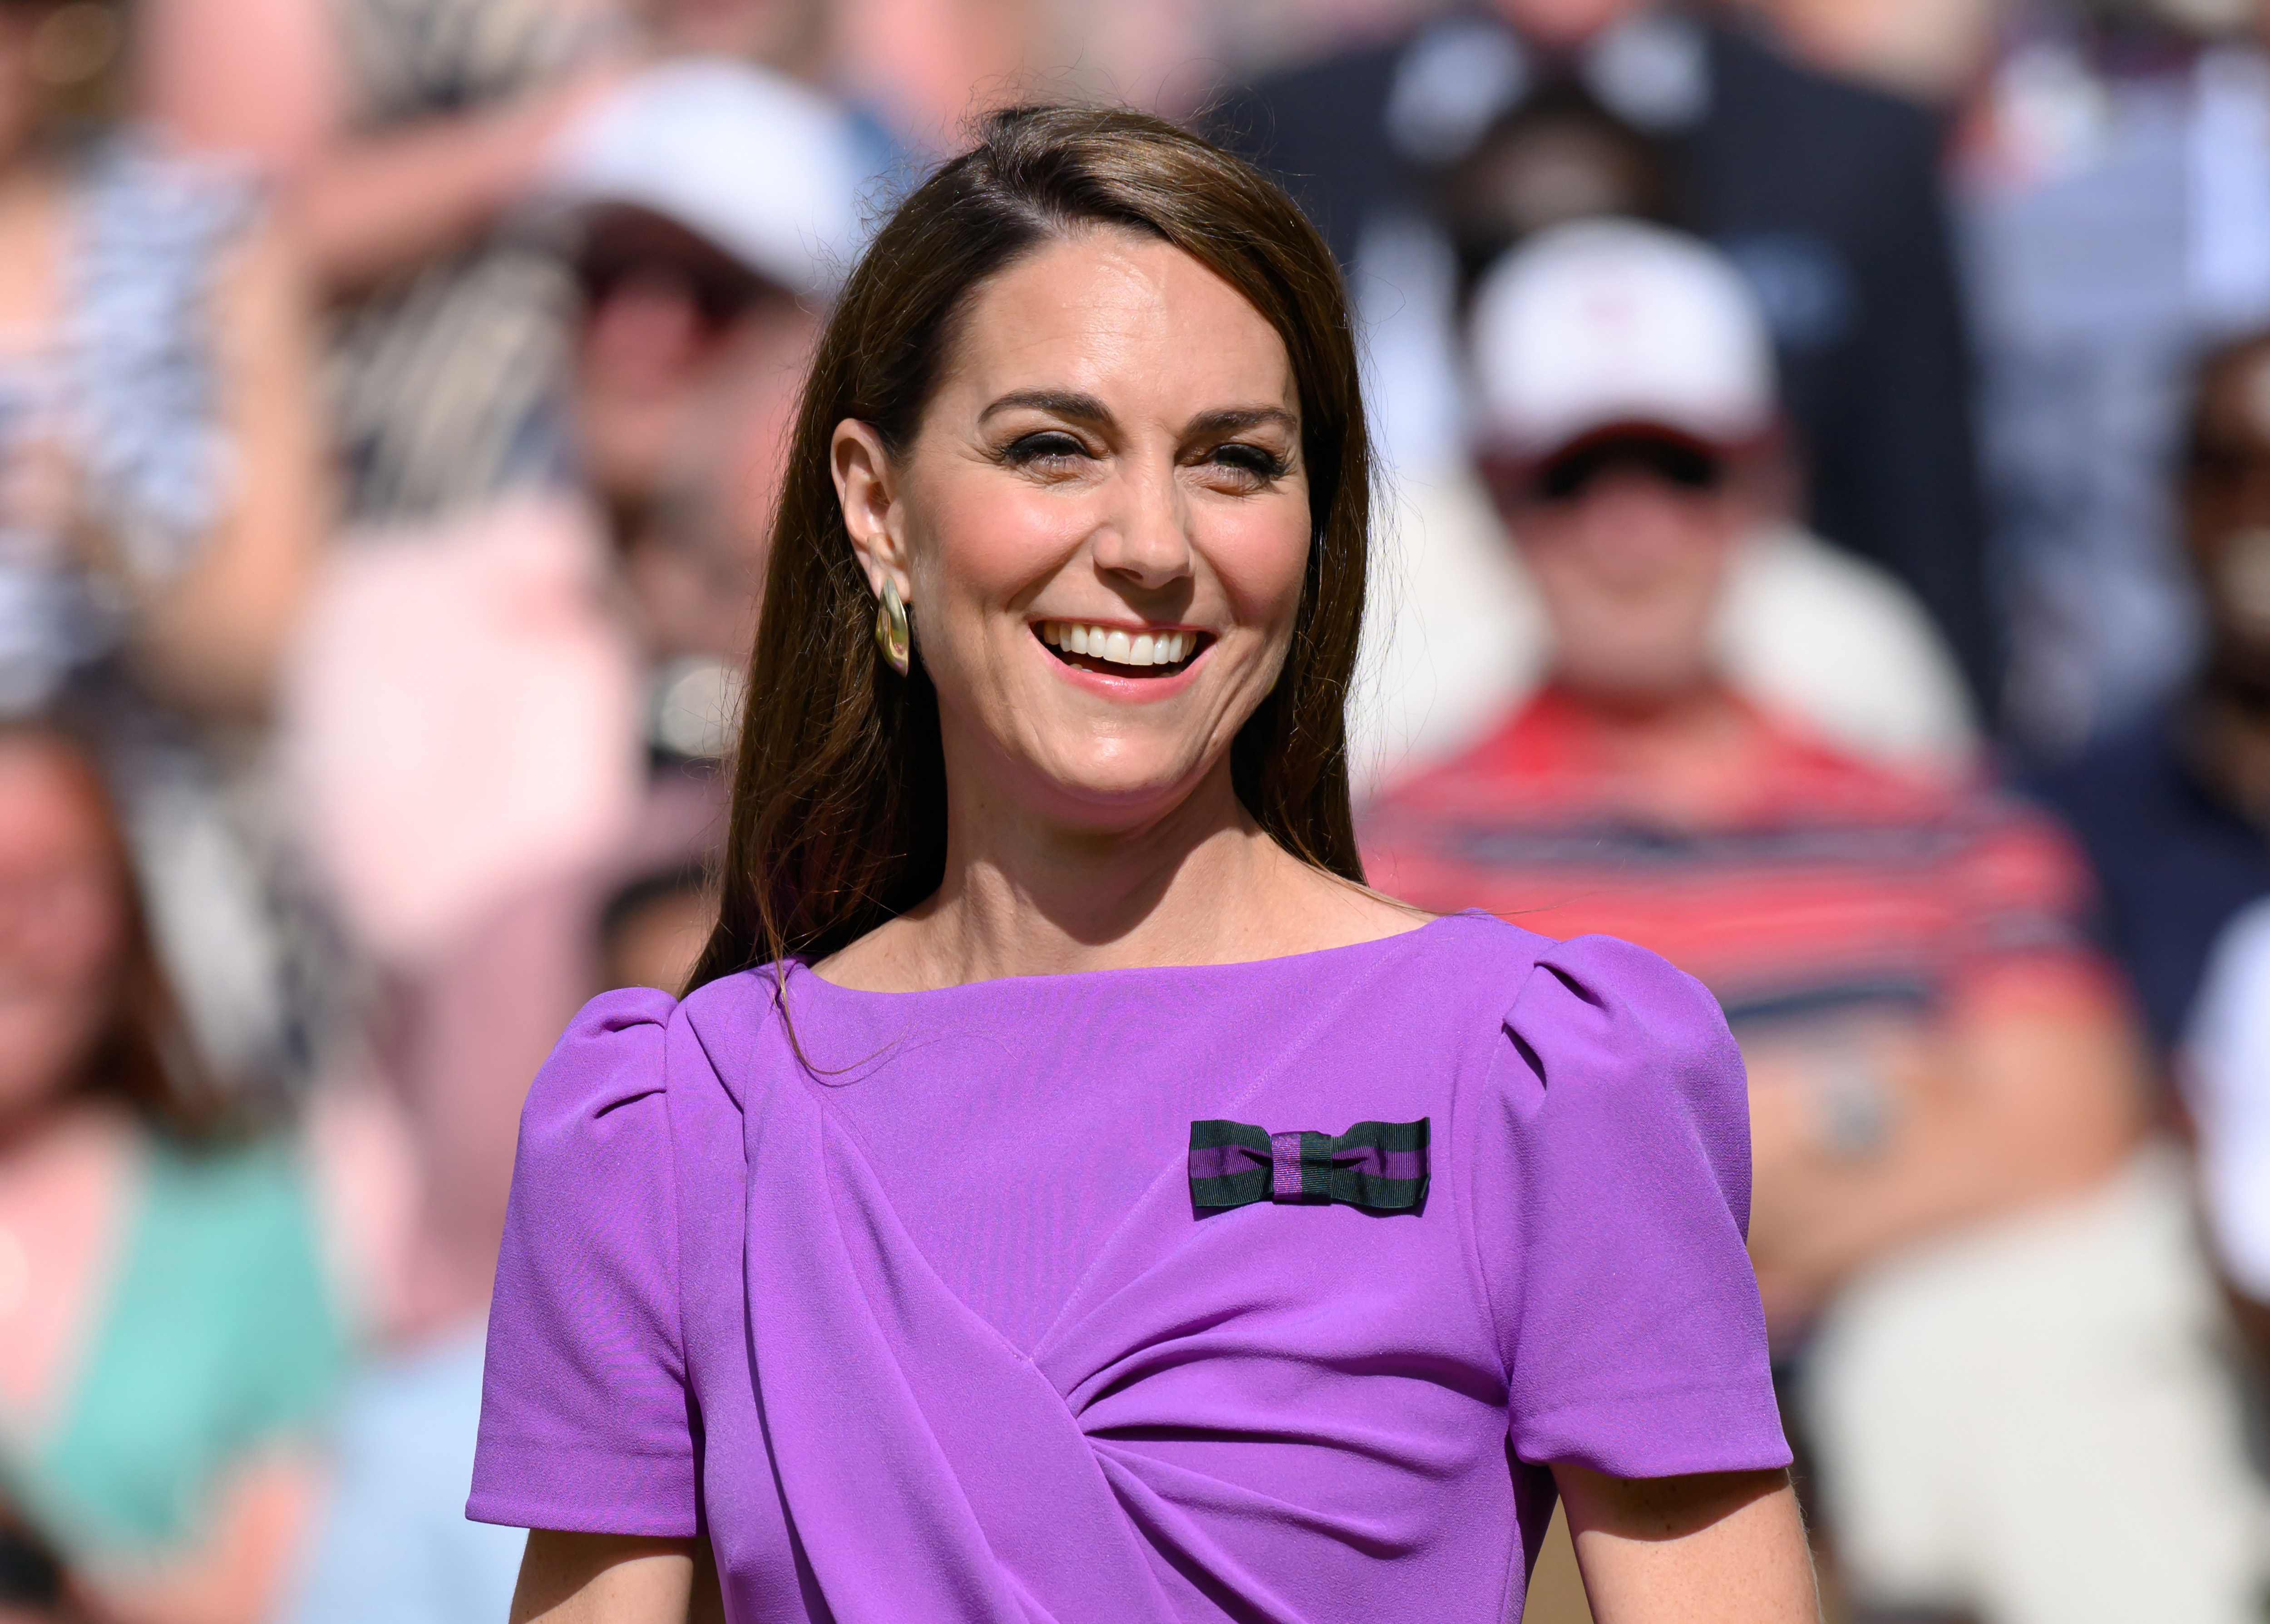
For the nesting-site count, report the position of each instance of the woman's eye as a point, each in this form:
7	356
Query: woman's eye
1048	446
1255	463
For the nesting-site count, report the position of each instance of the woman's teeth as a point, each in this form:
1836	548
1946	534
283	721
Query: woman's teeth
1119	647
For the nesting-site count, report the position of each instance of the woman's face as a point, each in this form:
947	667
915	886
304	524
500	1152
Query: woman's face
62	925
1100	529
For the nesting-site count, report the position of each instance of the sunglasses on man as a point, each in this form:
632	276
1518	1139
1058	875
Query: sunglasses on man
630	247
1569	476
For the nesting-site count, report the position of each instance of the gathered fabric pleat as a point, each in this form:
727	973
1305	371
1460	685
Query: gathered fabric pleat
885	1403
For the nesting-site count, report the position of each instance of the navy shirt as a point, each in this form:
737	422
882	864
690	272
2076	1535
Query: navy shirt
2175	861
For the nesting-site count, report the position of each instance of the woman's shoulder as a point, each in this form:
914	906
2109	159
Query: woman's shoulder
1486	951
610	1056
625	1045
1594	1003
1606	1056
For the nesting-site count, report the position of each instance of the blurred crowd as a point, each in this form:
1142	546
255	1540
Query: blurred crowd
1827	542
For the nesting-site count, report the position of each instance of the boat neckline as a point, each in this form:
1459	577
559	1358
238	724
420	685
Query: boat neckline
802	972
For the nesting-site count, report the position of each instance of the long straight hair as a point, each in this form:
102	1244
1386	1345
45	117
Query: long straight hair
143	1057
839	807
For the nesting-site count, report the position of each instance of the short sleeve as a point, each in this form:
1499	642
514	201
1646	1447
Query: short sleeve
1611	1214
586	1423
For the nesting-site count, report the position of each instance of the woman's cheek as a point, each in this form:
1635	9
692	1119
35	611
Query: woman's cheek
991	548
1261	563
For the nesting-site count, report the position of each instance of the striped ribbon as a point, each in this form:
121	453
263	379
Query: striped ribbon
1380	1165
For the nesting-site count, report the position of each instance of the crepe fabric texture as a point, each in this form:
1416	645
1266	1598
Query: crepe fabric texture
930	1327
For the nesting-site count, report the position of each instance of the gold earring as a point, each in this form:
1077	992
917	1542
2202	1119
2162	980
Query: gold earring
892	634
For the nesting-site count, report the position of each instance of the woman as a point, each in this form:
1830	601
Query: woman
167	1332
945	1214
160	470
162	494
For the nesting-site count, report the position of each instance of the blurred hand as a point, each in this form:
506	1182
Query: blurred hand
1826	1109
1873	1135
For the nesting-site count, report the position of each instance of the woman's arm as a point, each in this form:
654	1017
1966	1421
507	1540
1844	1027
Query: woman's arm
613	1579
1718	1548
211	640
262	79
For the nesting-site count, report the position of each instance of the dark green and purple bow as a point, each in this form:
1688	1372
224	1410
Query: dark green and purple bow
1381	1165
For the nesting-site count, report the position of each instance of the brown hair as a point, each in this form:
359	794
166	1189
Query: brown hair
838	820
145	1057
78	63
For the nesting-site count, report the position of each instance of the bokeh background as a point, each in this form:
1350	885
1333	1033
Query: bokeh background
392	394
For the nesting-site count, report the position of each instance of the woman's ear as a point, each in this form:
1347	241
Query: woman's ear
866	485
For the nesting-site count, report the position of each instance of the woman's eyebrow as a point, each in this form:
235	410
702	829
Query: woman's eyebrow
1063	403
1232	419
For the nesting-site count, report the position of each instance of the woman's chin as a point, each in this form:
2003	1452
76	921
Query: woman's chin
1117	796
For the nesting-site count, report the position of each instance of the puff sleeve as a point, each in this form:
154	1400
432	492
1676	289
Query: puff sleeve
1612	1215
586	1421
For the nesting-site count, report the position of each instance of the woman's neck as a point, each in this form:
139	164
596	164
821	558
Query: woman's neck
1023	895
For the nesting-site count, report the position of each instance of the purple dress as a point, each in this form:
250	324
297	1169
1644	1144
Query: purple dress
931	1325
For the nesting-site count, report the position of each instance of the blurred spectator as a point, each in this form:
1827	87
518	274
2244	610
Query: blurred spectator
2227	1078
399	133
393	1547
1927	50
1945	1086
468	844
2175	808
501	860
1881	929
395	1543
2116	179
167	1334
161	489
1826	194
654	928
1810	629
406	136
159	483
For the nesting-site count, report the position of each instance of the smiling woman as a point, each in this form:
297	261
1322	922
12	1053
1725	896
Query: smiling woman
925	1261
970	403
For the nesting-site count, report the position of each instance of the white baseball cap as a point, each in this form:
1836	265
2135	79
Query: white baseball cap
1611	324
765	170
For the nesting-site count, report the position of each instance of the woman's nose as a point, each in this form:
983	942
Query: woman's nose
1144	534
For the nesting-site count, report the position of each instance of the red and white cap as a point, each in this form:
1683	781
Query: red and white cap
1611	323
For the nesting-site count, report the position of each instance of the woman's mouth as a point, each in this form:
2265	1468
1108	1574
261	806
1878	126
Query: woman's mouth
1115	651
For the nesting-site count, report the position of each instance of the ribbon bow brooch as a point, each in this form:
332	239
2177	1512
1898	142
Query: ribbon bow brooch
1380	1165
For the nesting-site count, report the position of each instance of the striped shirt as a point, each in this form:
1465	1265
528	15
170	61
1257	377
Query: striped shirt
1825	885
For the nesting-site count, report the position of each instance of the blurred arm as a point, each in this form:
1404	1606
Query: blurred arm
211	639
1719	1546
2022	1099
262	79
613	1579
256	1530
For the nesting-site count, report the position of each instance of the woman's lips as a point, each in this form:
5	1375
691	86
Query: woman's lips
1117	652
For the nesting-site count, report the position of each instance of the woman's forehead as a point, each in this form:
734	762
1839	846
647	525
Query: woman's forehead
1110	312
